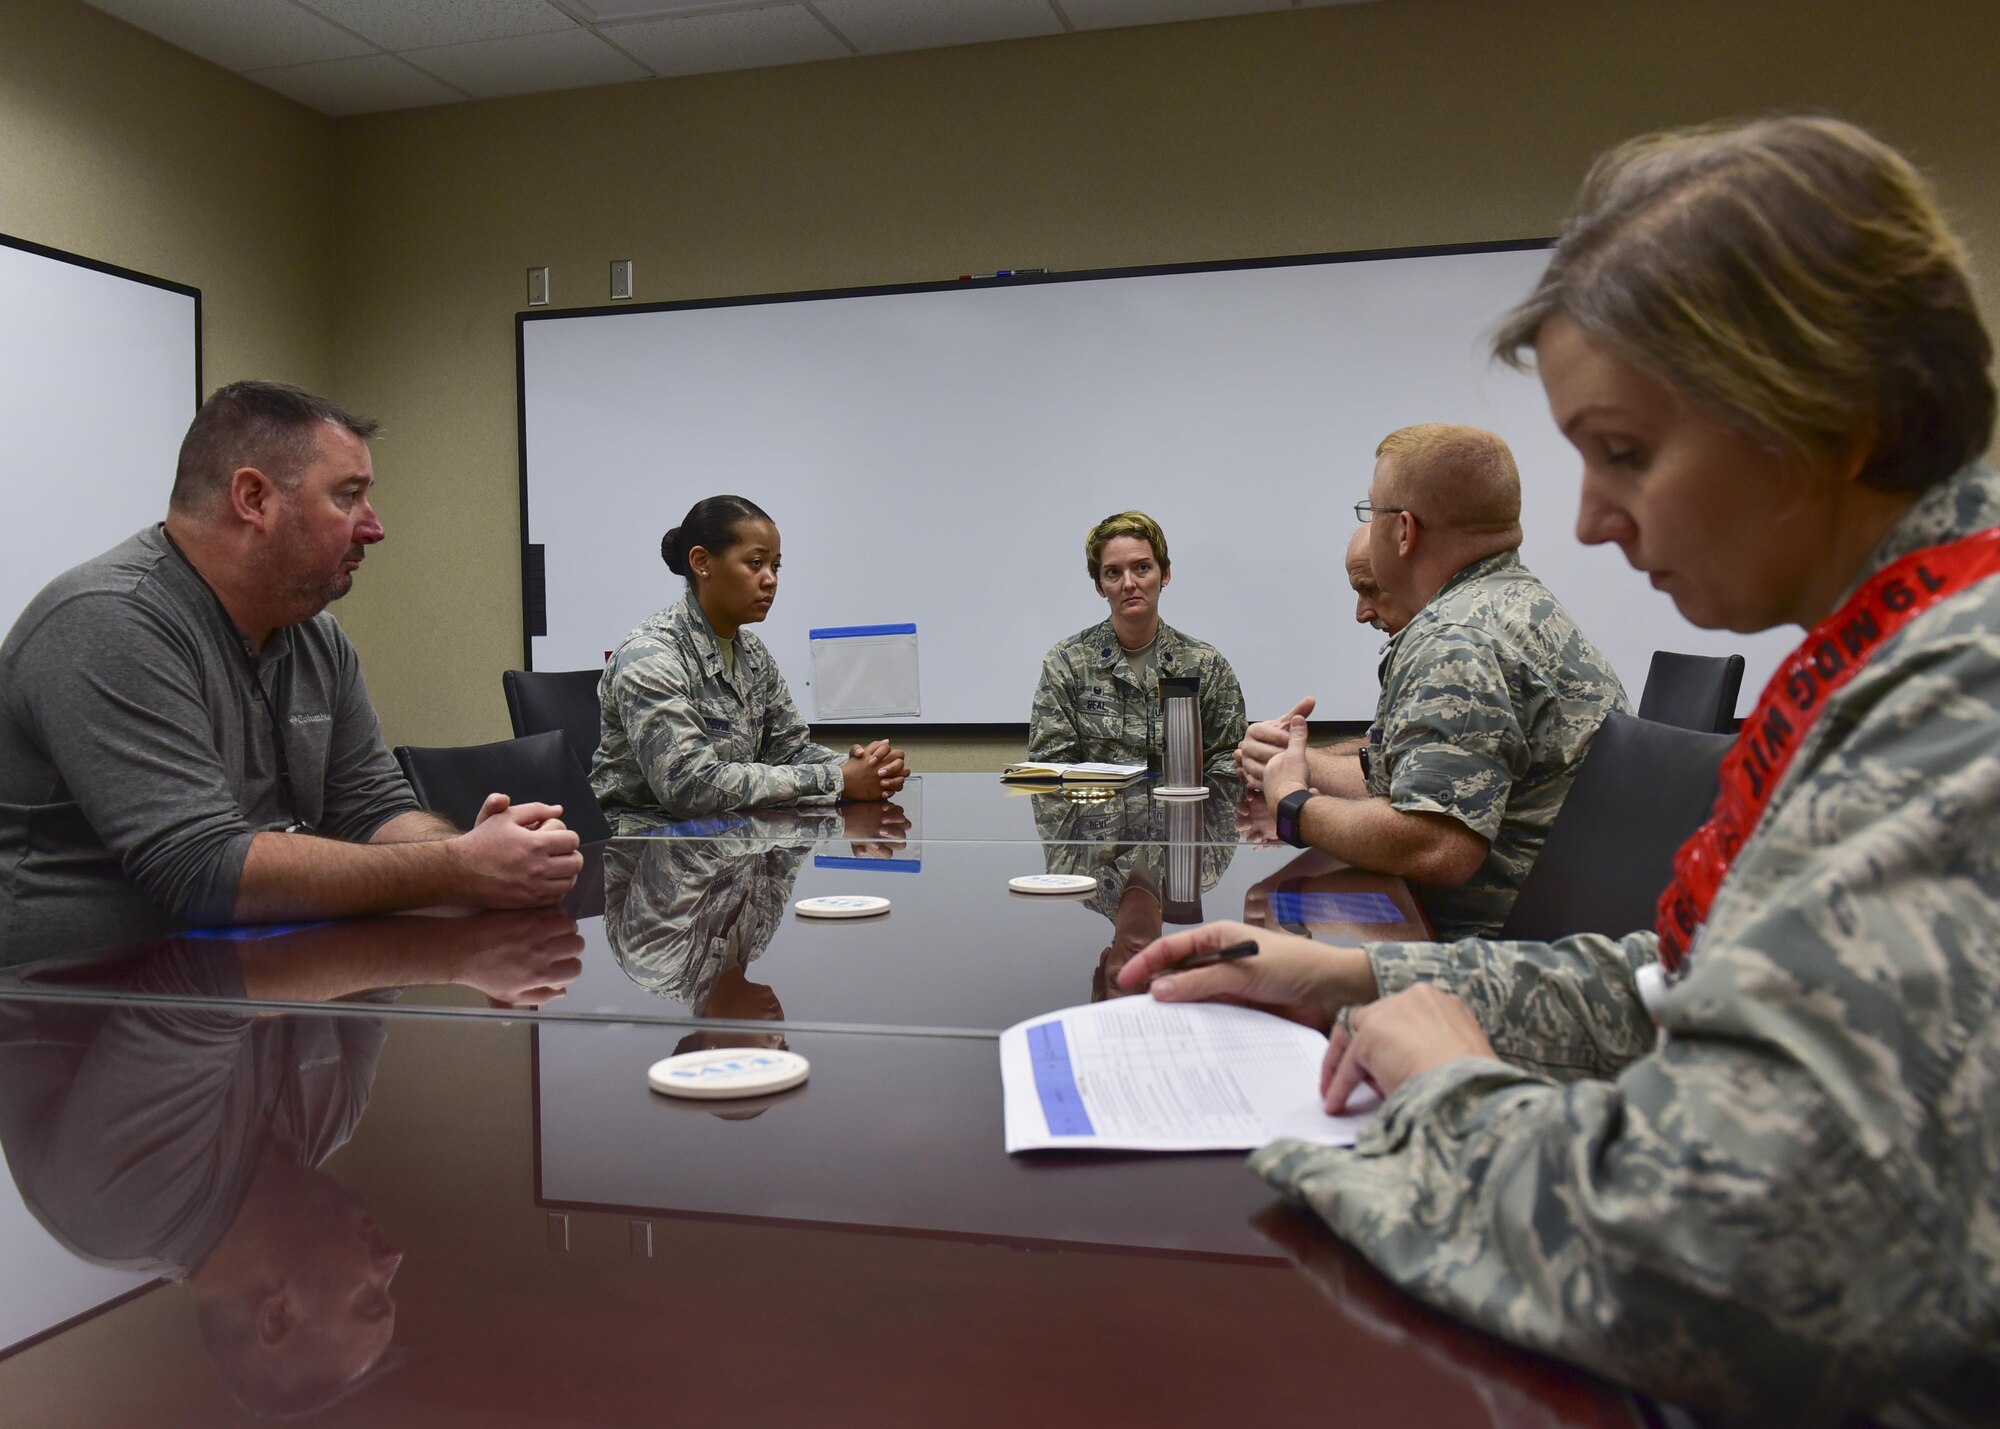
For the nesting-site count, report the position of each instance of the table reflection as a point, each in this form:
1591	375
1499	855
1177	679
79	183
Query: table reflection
185	1141
686	916
1144	881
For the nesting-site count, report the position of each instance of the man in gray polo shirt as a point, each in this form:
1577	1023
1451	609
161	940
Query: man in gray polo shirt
185	738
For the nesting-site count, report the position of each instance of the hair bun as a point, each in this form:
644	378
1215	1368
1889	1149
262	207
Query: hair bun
671	552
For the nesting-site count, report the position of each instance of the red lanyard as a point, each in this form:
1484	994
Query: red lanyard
1832	653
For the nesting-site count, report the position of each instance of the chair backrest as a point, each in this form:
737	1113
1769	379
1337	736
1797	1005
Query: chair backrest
455	781
1642	789
541	700
1692	691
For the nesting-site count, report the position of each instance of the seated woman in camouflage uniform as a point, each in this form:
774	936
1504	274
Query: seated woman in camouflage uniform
1099	695
695	717
1750	1159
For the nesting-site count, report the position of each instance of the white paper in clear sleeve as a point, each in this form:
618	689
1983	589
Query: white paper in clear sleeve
865	672
1133	1074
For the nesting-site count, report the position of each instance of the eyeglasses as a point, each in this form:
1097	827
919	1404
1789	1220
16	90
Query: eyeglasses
1366	511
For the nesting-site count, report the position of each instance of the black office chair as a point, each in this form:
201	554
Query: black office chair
539	700
1692	691
1642	790
455	781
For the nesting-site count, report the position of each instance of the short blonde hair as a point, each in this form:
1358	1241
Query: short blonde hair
1453	476
1792	274
1126	523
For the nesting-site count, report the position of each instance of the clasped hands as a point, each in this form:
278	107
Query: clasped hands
1272	756
520	855
872	771
1381	1044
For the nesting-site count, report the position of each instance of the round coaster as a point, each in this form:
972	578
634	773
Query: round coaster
842	905
1052	883
1181	791
723	1072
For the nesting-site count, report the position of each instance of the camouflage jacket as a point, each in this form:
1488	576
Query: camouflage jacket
683	736
1087	707
1490	697
1784	1207
679	912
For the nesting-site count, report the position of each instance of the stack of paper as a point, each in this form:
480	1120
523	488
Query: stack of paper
1032	773
1133	1074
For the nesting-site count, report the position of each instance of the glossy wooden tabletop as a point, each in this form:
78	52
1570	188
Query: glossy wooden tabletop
539	1239
572	1249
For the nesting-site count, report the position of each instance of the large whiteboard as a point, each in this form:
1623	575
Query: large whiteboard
100	373
937	453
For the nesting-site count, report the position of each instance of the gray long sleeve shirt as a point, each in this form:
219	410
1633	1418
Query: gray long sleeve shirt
137	760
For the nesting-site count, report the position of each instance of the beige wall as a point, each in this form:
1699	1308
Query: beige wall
124	149
382	258
1415	121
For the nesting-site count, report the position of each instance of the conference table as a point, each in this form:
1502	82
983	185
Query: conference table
460	1101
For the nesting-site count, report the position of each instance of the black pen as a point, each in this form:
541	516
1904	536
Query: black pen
1235	952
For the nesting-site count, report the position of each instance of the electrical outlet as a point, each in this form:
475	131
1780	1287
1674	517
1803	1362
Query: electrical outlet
621	279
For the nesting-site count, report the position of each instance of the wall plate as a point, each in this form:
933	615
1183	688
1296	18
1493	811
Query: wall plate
621	279
538	287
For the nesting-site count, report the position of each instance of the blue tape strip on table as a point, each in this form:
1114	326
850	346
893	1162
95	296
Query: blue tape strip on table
250	932
1334	908
868	865
1055	1082
697	828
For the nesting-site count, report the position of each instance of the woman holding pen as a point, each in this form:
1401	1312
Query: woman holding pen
1748	1159
696	718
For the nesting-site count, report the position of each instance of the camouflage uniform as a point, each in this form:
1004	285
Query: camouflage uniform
683	736
680	912
1087	707
1784	1206
1490	697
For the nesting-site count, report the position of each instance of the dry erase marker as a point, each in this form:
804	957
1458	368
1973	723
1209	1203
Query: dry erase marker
1235	952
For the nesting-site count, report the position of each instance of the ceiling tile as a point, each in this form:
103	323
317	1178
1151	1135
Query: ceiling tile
744	39
528	64
600	10
239	34
411	24
1110	14
367	85
880	26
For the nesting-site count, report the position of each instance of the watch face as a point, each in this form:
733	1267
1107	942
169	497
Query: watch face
1288	816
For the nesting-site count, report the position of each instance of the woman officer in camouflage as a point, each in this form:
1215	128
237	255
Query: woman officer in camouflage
1750	1159
695	717
1099	696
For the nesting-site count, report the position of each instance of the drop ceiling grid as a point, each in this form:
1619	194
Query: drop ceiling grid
363	56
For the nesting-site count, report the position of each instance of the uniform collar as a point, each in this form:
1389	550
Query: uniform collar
1484	566
706	640
1101	643
1963	503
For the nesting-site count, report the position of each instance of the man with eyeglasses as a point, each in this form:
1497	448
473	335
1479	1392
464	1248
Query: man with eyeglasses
185	737
1490	694
1373	606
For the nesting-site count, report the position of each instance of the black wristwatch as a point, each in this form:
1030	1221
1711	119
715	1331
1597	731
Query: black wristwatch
1288	816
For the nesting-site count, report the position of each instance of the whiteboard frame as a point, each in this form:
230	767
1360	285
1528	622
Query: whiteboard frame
1657	628
151	280
532	580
